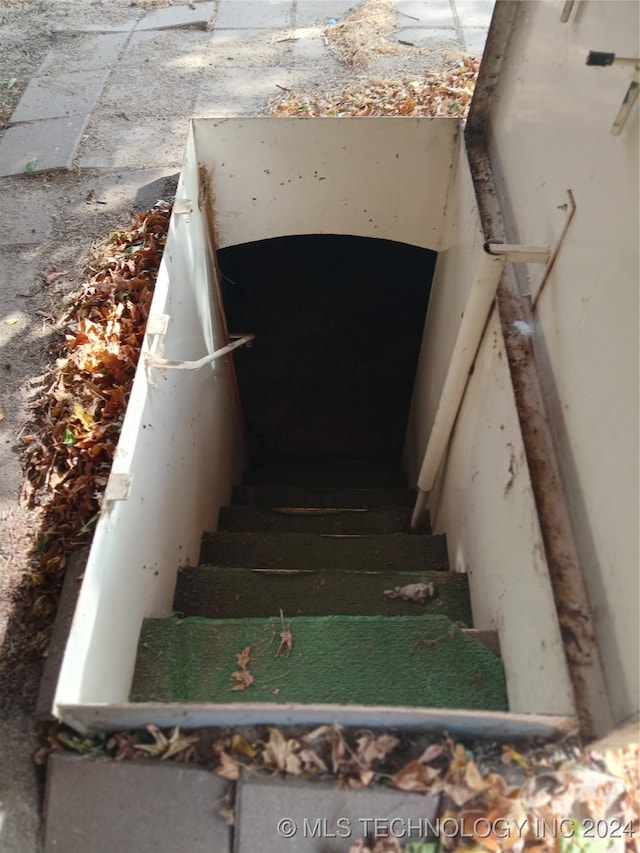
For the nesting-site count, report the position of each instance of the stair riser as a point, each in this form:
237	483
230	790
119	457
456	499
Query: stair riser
326	479
298	496
235	593
318	551
239	519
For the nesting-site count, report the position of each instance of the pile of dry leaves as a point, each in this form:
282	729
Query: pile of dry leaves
76	421
443	93
364	33
501	798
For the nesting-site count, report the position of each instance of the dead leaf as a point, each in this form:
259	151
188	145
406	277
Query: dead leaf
281	754
473	777
432	752
228	767
286	639
417	592
164	747
387	845
54	275
311	761
242	746
359	847
417	775
372	748
510	754
124	746
360	777
242	676
11	321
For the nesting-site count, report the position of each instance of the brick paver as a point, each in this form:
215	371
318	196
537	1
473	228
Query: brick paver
104	806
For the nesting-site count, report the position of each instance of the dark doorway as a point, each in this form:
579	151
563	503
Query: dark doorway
338	323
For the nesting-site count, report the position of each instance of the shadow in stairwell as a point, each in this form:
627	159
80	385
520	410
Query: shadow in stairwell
338	323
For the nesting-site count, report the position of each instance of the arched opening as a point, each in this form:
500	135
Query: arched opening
338	323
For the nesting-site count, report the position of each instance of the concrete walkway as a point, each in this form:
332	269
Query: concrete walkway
216	60
98	130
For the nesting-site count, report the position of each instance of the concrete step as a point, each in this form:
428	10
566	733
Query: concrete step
322	520
411	661
231	593
330	552
325	478
315	462
299	496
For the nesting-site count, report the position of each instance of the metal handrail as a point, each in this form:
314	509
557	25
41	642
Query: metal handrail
158	361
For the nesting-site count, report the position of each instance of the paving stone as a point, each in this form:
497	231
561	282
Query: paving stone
227	106
64	615
105	806
173	17
25	215
312	818
310	47
124	27
311	13
134	98
242	85
84	52
164	49
19	793
475	39
428	37
139	188
233	48
431	13
474	13
49	144
73	94
147	143
253	14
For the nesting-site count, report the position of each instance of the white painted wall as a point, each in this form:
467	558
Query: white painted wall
484	502
550	131
182	444
483	498
366	177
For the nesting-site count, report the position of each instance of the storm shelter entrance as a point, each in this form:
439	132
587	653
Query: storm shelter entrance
338	322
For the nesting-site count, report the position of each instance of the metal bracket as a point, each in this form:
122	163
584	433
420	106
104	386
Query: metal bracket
118	487
157	324
519	254
603	59
158	361
182	207
566	11
571	207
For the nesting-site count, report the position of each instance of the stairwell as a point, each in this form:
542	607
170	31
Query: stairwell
298	597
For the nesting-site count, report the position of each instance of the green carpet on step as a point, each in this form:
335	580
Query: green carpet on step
419	661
